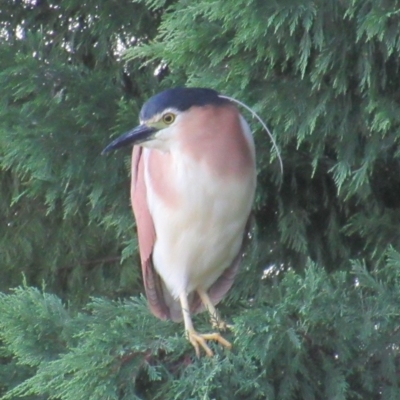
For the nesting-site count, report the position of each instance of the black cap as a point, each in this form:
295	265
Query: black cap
181	99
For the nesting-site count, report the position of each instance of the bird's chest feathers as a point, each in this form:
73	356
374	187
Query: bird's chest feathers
199	195
182	182
210	159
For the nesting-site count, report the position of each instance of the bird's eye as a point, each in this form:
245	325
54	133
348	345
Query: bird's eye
168	118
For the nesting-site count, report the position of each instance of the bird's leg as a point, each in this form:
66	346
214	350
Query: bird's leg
195	338
215	319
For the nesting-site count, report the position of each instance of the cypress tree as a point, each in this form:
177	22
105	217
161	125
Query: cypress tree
314	309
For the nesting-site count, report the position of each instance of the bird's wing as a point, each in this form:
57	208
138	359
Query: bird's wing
146	238
221	286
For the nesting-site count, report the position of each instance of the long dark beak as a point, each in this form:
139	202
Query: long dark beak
137	135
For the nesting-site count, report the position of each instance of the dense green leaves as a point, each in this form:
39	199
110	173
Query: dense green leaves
316	336
64	207
315	306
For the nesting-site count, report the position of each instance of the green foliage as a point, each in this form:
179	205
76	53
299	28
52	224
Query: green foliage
312	336
315	305
65	210
73	356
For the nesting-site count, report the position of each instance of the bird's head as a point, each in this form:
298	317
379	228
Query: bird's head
163	116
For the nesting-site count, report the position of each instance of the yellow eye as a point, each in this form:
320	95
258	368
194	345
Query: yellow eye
168	118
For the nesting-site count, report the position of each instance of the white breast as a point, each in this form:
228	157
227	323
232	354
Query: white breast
197	239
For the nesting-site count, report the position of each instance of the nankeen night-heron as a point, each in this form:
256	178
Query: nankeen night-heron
193	184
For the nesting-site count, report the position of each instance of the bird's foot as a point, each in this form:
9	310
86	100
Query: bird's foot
219	324
200	340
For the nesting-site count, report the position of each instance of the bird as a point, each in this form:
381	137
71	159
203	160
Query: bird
193	183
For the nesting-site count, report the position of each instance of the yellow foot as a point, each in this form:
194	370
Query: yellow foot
198	339
219	324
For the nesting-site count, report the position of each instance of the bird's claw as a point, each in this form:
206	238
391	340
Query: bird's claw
220	324
200	340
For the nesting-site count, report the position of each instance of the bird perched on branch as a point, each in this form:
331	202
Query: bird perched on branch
193	184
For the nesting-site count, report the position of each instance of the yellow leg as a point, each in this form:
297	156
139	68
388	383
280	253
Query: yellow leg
215	319
197	339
